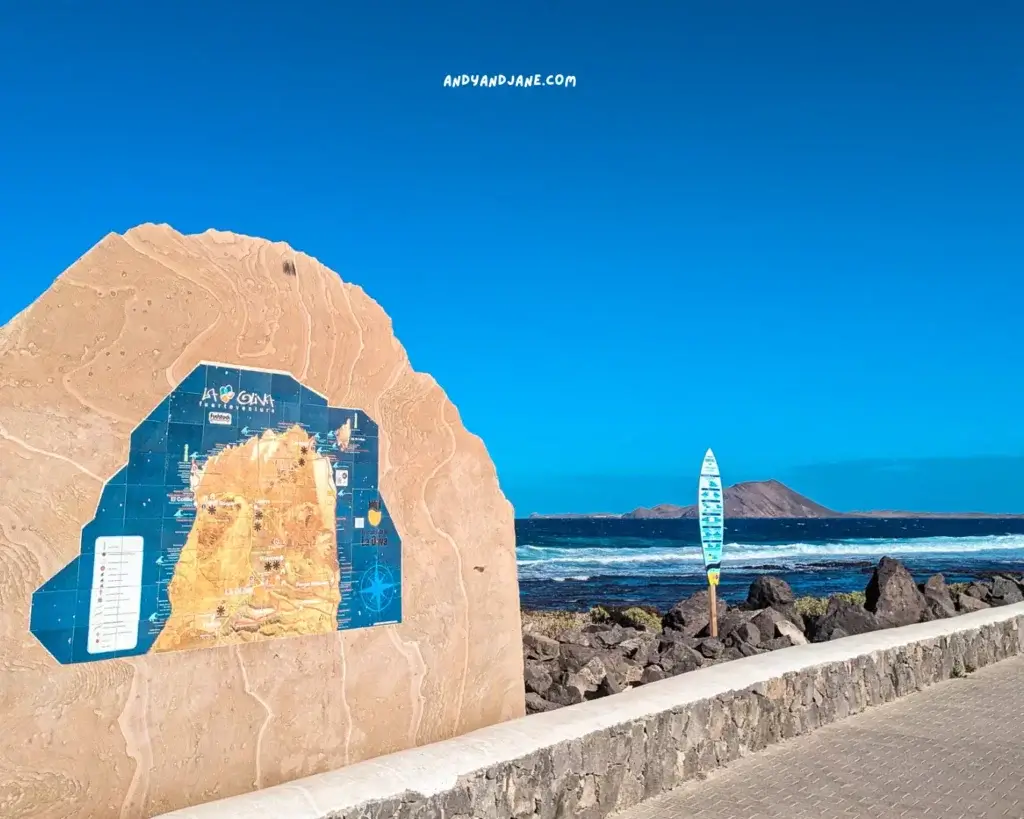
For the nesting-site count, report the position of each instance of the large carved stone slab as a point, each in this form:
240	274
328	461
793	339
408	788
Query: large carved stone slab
241	541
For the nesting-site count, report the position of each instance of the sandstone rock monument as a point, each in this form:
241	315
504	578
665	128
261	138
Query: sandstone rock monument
241	541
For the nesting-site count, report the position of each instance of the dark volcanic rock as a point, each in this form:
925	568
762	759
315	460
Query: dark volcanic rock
609	685
565	695
777	643
536	704
979	589
767	621
769	592
692	615
746	649
620	672
608	635
588	678
774	624
842	619
538	678
640	650
574	657
892	595
652	673
678	658
774	593
1004	592
539	647
670	635
711	648
611	656
746	633
966	603
938	601
791	632
728	623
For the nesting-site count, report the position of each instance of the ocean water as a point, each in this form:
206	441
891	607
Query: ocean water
578	563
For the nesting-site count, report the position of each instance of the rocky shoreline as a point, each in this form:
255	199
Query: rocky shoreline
571	658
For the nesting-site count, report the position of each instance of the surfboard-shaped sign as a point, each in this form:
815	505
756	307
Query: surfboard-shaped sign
711	516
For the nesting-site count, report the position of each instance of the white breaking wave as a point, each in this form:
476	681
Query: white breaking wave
549	563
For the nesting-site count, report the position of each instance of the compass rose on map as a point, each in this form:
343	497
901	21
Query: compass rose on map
377	588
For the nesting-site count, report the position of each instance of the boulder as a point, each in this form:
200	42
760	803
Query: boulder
432	607
768	622
537	677
979	589
711	647
1004	592
842	619
566	694
670	635
790	632
892	595
623	672
573	657
692	615
778	642
967	603
746	633
652	673
640	649
609	685
938	601
539	647
678	658
767	592
577	637
588	677
746	649
728	623
611	635
770	592
535	704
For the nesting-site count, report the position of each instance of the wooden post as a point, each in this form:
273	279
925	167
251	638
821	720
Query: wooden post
713	599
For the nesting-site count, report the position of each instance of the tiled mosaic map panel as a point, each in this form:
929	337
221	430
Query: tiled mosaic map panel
248	510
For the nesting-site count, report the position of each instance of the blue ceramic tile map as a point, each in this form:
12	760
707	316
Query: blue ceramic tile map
248	510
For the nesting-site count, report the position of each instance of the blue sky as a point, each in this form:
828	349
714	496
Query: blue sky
790	232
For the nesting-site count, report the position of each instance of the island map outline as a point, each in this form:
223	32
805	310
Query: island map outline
249	509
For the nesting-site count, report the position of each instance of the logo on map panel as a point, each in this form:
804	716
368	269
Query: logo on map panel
233	521
373	513
223	395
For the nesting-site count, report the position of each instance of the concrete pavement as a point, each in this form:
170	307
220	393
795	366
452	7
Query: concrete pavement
953	751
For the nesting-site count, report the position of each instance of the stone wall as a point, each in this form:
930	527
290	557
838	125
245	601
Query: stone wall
591	759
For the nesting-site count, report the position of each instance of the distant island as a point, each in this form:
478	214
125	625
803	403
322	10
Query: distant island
770	499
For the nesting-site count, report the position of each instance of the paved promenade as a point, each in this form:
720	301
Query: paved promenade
955	750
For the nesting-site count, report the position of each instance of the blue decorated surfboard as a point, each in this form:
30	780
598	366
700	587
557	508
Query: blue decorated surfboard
711	516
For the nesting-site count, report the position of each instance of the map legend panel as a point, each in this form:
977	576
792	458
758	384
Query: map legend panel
116	594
